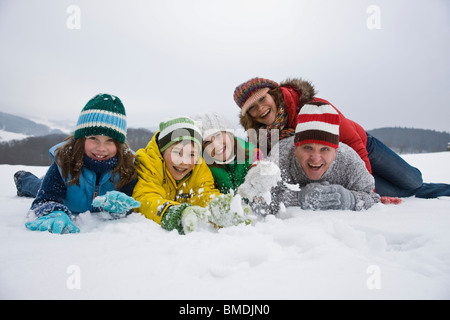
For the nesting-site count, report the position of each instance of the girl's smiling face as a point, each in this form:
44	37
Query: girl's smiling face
100	147
181	158
219	146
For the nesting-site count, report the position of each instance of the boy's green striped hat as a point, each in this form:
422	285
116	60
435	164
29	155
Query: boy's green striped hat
178	129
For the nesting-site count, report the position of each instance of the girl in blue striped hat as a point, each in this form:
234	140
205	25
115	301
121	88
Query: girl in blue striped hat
93	170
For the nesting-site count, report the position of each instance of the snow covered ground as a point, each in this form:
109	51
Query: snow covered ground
387	252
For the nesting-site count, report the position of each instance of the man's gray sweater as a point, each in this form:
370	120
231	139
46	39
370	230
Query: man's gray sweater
347	170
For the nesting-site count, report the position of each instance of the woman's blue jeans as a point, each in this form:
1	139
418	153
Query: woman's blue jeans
394	177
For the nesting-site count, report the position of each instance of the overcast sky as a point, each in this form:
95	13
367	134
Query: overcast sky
180	57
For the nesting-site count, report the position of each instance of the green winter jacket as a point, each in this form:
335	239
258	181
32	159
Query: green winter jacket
230	176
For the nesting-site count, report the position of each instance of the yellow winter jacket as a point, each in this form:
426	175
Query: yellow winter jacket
156	190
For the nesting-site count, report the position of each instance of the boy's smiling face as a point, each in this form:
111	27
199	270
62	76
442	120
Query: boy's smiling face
181	158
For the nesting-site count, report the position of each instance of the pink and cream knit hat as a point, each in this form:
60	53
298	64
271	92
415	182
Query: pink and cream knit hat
248	92
317	124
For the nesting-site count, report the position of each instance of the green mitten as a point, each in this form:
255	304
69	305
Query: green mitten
227	211
194	218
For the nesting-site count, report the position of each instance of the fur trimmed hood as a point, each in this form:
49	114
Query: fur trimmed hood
306	88
297	93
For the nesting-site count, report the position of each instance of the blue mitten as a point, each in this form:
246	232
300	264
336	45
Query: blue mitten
55	222
115	202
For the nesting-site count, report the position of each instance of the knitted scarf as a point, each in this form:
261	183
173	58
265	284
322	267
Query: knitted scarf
281	124
100	166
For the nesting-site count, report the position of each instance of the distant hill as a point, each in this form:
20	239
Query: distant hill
16	124
33	151
35	139
408	140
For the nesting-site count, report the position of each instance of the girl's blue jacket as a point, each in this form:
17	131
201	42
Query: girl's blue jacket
95	179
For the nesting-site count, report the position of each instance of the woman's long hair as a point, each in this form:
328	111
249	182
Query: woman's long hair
69	158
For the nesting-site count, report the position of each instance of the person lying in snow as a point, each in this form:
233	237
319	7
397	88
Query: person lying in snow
229	158
175	186
330	174
93	170
270	106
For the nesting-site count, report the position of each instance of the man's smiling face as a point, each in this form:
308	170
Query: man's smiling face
315	159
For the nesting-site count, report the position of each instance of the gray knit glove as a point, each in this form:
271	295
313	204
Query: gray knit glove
325	196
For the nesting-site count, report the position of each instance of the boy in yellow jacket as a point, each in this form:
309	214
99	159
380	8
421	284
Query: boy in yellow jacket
174	184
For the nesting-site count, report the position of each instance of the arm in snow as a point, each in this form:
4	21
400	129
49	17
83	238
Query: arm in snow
51	195
365	199
205	189
358	180
154	199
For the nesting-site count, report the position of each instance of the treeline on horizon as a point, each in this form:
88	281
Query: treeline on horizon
33	151
411	140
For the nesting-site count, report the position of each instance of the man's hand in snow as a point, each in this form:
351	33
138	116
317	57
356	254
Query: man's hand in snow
325	196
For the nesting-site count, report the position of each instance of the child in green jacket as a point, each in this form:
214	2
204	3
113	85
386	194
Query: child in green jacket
228	156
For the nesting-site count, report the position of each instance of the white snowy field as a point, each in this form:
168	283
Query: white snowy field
387	252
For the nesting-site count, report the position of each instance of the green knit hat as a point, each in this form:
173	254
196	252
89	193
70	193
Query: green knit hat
178	129
103	115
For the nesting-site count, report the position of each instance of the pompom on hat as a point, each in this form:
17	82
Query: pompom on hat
176	130
250	91
103	115
317	124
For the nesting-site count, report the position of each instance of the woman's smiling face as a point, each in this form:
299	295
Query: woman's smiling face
181	158
263	110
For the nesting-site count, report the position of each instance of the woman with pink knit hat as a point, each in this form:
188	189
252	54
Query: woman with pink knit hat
271	107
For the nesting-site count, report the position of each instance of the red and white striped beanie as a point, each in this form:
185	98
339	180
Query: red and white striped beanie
317	124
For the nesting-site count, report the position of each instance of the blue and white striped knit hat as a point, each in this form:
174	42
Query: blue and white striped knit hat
103	115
